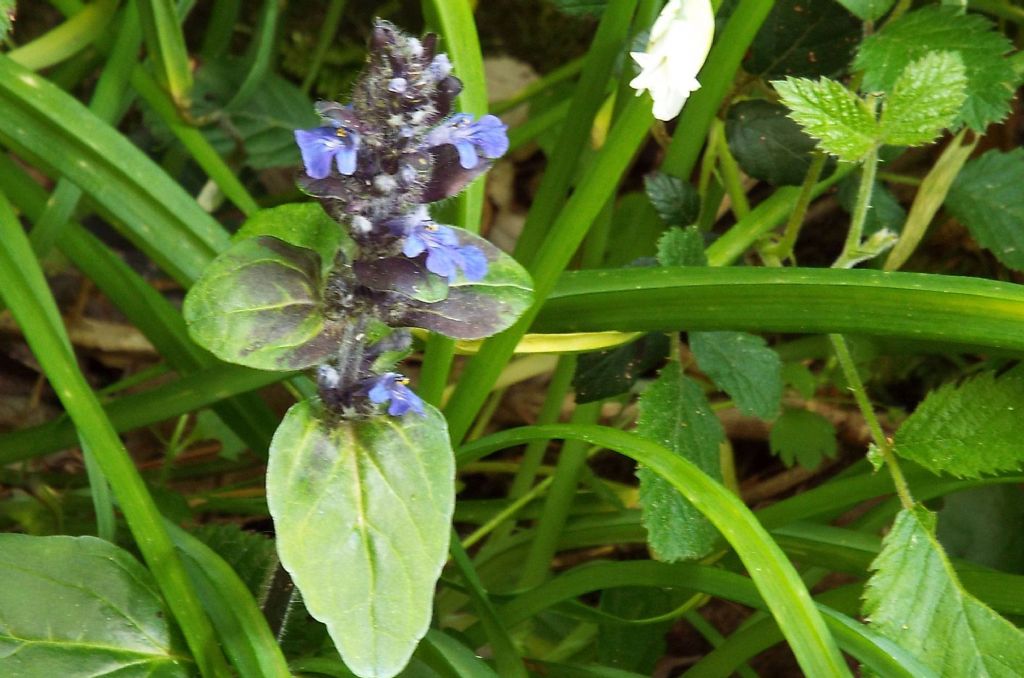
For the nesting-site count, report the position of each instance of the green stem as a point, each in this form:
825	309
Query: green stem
508	512
542	84
852	246
882	442
784	248
329	28
731	175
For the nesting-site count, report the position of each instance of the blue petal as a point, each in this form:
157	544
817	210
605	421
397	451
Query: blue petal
316	153
440	262
346	157
490	137
474	263
414	245
467	153
380	393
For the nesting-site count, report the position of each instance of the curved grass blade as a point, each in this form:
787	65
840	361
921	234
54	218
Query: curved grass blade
68	39
166	42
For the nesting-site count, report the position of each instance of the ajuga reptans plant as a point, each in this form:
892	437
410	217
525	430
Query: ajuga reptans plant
335	285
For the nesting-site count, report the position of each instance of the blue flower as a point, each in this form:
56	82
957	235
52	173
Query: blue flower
321	145
471	138
446	256
392	387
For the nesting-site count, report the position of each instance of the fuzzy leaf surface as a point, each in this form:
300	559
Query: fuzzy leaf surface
986	197
924	100
832	114
80	606
604	374
915	599
743	366
260	304
767	143
968	429
675	413
473	309
803	437
676	201
362	510
990	76
682	247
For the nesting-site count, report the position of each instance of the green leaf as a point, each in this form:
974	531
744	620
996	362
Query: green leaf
924	100
990	77
803	38
984	525
842	123
211	427
362	510
867	10
592	7
767	144
676	201
744	367
260	304
915	599
477	309
674	413
682	247
250	554
987	199
302	224
8	10
76	606
604	374
803	437
968	429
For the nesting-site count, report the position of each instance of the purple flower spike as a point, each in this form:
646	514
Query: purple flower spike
445	255
392	387
472	138
321	145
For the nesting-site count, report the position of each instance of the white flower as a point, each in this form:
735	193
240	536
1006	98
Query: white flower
679	44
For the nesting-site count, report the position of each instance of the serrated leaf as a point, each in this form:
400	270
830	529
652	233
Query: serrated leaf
768	144
968	429
987	198
915	599
682	247
675	413
867	10
474	309
803	38
80	606
303	224
924	100
676	201
604	374
802	437
841	122
362	510
250	554
990	77
744	367
800	377
7	12
260	304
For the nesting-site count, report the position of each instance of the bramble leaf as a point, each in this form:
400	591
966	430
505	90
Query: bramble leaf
990	77
675	413
924	100
260	304
915	599
80	606
803	38
968	429
987	198
802	437
682	247
362	510
767	143
744	367
604	374
676	201
841	121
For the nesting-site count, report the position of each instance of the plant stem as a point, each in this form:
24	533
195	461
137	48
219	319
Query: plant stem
329	28
860	211
731	176
784	248
883	442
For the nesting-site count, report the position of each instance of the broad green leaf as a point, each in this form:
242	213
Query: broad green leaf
635	647
682	247
968	429
803	437
604	374
990	77
804	38
842	122
984	525
474	310
675	413
986	197
767	143
301	224
676	201
744	367
924	100
260	304
867	10
362	510
78	606
915	599
249	554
